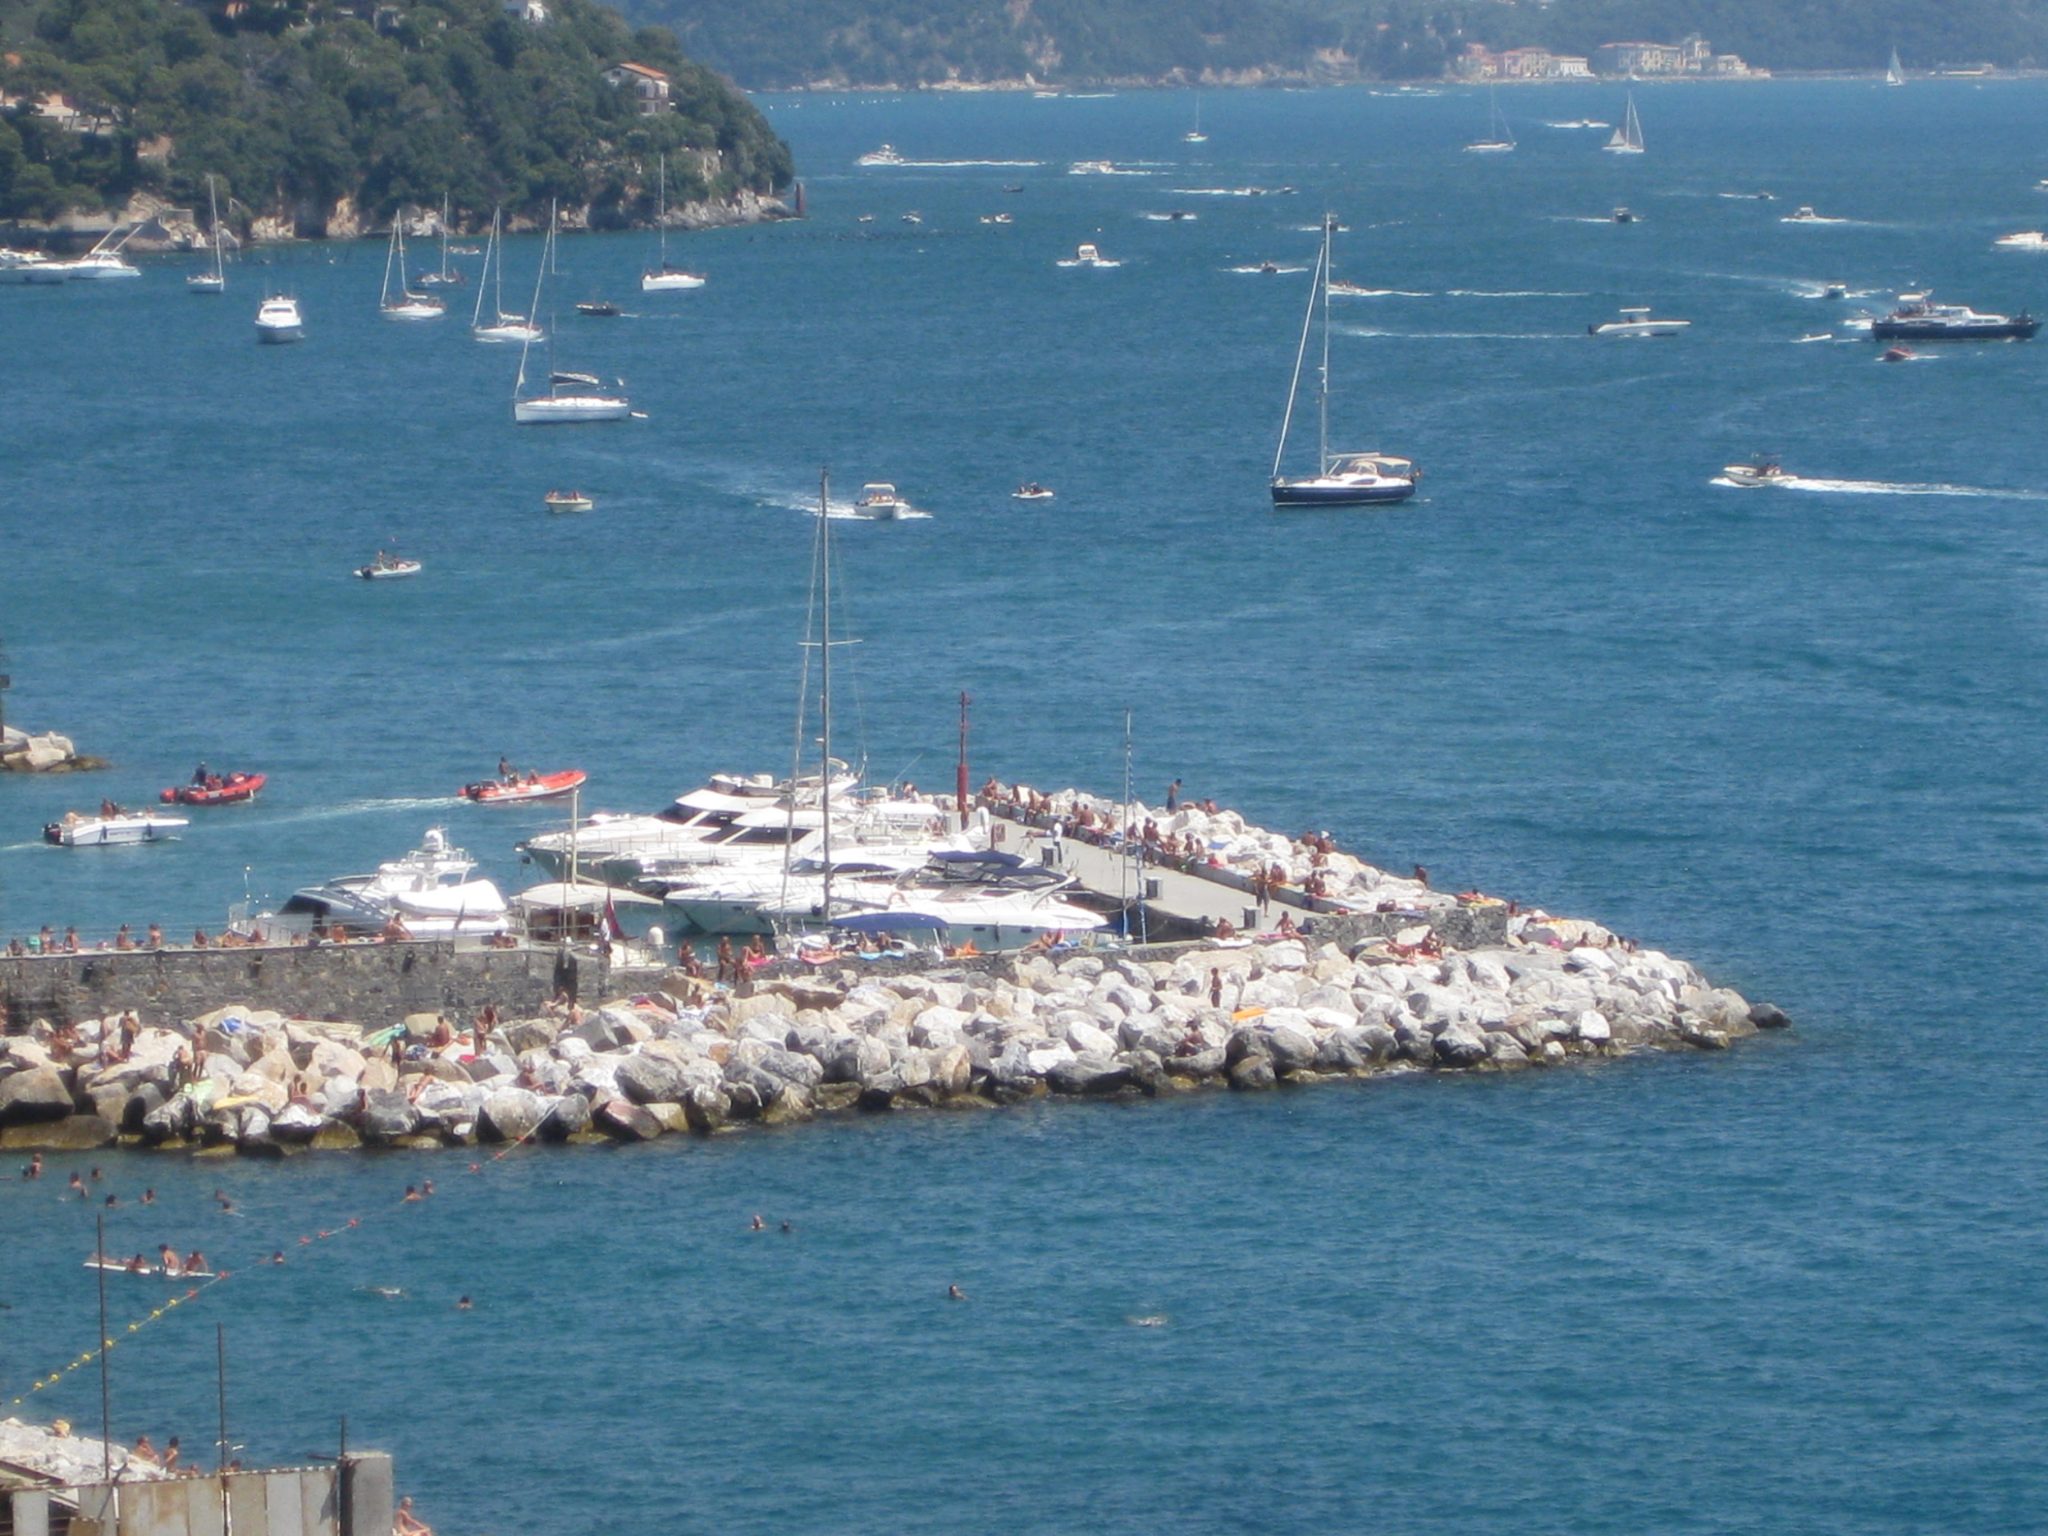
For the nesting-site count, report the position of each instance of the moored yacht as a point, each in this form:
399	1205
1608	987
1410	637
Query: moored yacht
429	892
278	320
112	828
1919	318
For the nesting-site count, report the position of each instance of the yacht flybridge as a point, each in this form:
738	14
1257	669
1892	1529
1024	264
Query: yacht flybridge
1340	479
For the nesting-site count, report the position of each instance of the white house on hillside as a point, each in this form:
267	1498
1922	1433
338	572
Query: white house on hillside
649	86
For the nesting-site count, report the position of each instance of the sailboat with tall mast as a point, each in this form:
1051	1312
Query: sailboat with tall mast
404	304
1342	479
1498	140
665	278
570	397
1628	138
1195	135
1893	74
447	277
505	327
215	281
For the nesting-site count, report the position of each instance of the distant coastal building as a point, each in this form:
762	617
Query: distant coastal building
1478	62
1690	56
533	12
649	86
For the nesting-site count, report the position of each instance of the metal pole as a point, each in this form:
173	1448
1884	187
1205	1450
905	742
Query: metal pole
220	1347
106	1390
960	774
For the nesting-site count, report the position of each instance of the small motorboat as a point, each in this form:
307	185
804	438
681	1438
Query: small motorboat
215	789
568	501
600	309
387	567
1835	291
1638	323
1031	490
1763	471
530	786
1804	214
2023	240
1268	268
112	828
1896	354
1623	216
1086	255
997	218
878	500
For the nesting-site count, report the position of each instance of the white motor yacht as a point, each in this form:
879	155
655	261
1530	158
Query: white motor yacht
101	264
429	892
888	154
278	320
2024	240
27	267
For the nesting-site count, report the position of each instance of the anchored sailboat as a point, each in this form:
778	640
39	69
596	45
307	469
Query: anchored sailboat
665	278
406	305
1195	135
215	281
571	397
1628	138
1498	140
1344	479
447	277
506	327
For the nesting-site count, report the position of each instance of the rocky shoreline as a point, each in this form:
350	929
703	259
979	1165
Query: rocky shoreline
21	752
780	1049
161	226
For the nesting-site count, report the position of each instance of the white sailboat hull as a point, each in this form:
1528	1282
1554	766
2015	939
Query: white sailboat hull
205	282
669	282
516	332
562	409
413	310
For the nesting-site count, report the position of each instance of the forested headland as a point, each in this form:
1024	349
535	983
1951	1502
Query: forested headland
775	44
324	117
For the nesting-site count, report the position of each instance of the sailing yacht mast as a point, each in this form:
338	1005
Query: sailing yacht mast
825	688
476	316
1323	377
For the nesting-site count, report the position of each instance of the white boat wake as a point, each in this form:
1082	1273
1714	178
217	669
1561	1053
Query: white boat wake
1352	291
942	165
349	808
1512	293
1232	191
1881	488
1263	269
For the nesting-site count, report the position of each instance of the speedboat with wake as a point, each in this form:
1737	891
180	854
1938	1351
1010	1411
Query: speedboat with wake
215	789
1031	490
1638	322
1086	255
530	786
879	502
112	828
1763	471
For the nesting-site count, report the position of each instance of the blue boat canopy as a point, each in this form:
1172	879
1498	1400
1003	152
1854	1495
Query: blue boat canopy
970	856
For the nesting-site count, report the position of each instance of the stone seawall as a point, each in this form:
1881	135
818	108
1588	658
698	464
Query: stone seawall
373	984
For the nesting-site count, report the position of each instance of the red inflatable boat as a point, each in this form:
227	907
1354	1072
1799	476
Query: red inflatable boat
215	789
531	786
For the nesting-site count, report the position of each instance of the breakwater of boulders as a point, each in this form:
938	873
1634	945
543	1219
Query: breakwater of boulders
686	1057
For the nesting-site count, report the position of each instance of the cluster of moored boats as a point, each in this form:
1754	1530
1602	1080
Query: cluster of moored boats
736	856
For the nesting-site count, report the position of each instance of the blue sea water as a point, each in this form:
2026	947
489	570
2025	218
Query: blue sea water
1794	735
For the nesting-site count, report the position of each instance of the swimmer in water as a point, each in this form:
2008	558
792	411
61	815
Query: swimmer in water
788	1227
277	1257
462	1304
954	1293
758	1224
412	1196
